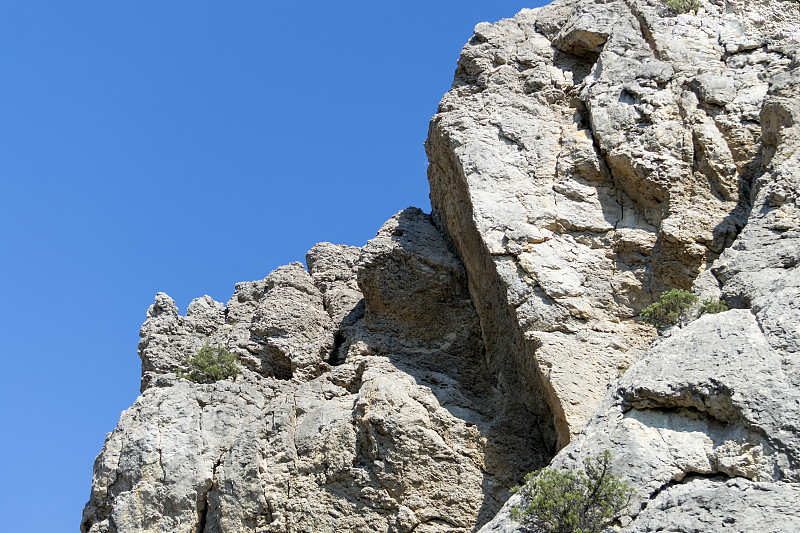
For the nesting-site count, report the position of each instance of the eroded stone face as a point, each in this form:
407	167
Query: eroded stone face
365	404
702	425
589	157
278	327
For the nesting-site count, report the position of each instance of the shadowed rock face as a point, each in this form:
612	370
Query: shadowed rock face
589	156
365	404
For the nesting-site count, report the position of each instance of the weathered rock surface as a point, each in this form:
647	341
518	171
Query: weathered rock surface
365	404
704	425
277	325
710	402
589	156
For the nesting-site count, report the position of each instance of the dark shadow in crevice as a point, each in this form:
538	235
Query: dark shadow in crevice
686	479
419	314
270	361
335	358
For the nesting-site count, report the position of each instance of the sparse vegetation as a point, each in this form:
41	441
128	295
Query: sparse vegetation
562	501
672	308
675	307
711	306
673	8
211	364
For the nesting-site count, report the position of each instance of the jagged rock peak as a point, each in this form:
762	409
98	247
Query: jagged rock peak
589	155
365	404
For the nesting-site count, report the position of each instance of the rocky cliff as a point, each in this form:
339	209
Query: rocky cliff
589	156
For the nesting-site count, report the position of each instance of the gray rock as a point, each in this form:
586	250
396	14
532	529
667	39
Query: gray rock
278	327
709	402
588	156
385	419
719	504
159	465
333	269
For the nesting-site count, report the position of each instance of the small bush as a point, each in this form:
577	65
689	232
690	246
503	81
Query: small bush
711	306
679	7
211	364
562	501
673	308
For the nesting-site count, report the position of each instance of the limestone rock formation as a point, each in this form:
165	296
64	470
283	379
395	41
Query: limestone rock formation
589	155
690	128
365	404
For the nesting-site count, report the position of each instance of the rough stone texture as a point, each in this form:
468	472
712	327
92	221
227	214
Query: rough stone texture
278	326
589	156
719	504
709	402
705	424
171	449
365	404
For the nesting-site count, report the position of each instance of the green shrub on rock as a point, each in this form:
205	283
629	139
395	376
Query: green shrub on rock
672	308
711	306
211	364
562	501
679	7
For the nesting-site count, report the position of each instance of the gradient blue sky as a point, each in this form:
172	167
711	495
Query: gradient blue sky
181	147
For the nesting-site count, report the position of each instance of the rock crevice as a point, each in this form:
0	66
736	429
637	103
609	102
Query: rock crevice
390	420
588	156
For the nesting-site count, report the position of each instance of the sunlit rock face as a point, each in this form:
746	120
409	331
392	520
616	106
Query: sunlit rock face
365	404
589	156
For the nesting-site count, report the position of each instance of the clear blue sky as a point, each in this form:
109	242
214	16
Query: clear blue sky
182	147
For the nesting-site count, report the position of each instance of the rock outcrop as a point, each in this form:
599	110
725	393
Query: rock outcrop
589	156
687	129
365	404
